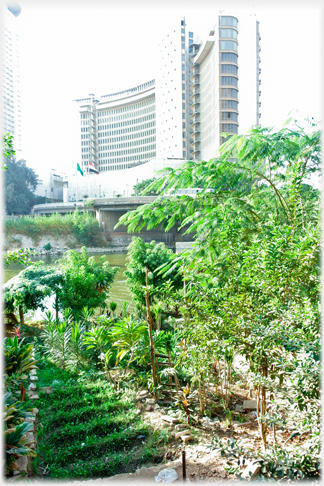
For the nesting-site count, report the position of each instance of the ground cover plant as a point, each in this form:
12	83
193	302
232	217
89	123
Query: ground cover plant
82	225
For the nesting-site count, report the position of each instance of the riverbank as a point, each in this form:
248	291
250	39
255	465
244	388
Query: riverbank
60	250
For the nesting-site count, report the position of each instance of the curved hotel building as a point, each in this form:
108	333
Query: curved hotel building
178	115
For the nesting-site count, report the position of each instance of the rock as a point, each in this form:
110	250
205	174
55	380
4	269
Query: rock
171	420
142	393
34	396
32	373
49	390
140	437
238	407
250	404
150	401
183	432
252	470
185	438
35	411
252	415
22	463
32	387
156	406
149	408
33	378
181	426
30	419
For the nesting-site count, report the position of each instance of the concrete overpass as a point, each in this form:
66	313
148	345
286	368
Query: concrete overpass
108	211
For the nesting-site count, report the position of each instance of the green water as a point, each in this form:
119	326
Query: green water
118	292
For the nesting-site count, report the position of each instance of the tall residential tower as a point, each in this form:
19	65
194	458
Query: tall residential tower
179	115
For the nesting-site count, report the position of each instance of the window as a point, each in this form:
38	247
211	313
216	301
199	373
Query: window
229	93
183	125
229	105
229	115
228	46
183	87
184	144
229	80
183	67
230	33
183	134
229	128
229	68
183	96
183	57
190	35
183	77
183	106
182	31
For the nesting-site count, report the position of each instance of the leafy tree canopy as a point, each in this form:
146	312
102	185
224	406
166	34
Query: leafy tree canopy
141	186
86	281
20	183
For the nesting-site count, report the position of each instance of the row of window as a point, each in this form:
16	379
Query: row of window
229	128
229	115
125	109
228	21
127	115
128	152
229	57
228	46
229	80
229	105
140	141
229	68
141	132
229	93
229	33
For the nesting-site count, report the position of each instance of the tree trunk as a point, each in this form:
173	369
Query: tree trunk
150	327
21	315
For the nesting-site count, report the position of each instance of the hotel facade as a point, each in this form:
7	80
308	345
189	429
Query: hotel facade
178	115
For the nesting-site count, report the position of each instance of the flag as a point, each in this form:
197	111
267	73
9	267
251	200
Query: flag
79	169
92	168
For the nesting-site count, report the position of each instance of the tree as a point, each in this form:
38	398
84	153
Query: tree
20	183
141	186
7	148
86	282
254	272
29	288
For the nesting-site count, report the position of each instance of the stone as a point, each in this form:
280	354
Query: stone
149	408
183	432
252	470
30	419
142	393
238	407
156	406
250	404
171	420
185	438
35	411
33	378
34	396
252	415
150	401
181	426
32	387
49	390
22	463
33	373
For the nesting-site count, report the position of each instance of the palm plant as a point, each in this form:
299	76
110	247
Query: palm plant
18	361
127	334
63	335
97	338
113	307
76	346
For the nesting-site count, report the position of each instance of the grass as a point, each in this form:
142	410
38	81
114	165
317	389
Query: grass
82	226
88	430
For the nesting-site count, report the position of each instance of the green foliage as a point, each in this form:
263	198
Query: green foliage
47	246
7	147
18	362
83	277
30	287
20	183
16	256
82	225
89	203
140	187
253	274
151	255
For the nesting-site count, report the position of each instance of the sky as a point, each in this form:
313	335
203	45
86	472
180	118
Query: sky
69	50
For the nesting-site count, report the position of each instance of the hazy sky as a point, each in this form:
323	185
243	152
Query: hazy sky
70	50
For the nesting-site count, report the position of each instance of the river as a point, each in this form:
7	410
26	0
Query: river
118	292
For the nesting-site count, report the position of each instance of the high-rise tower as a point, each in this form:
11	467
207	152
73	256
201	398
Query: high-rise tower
11	120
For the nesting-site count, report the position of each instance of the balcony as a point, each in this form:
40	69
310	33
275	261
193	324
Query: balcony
194	72
195	109
194	69
194	80
194	97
